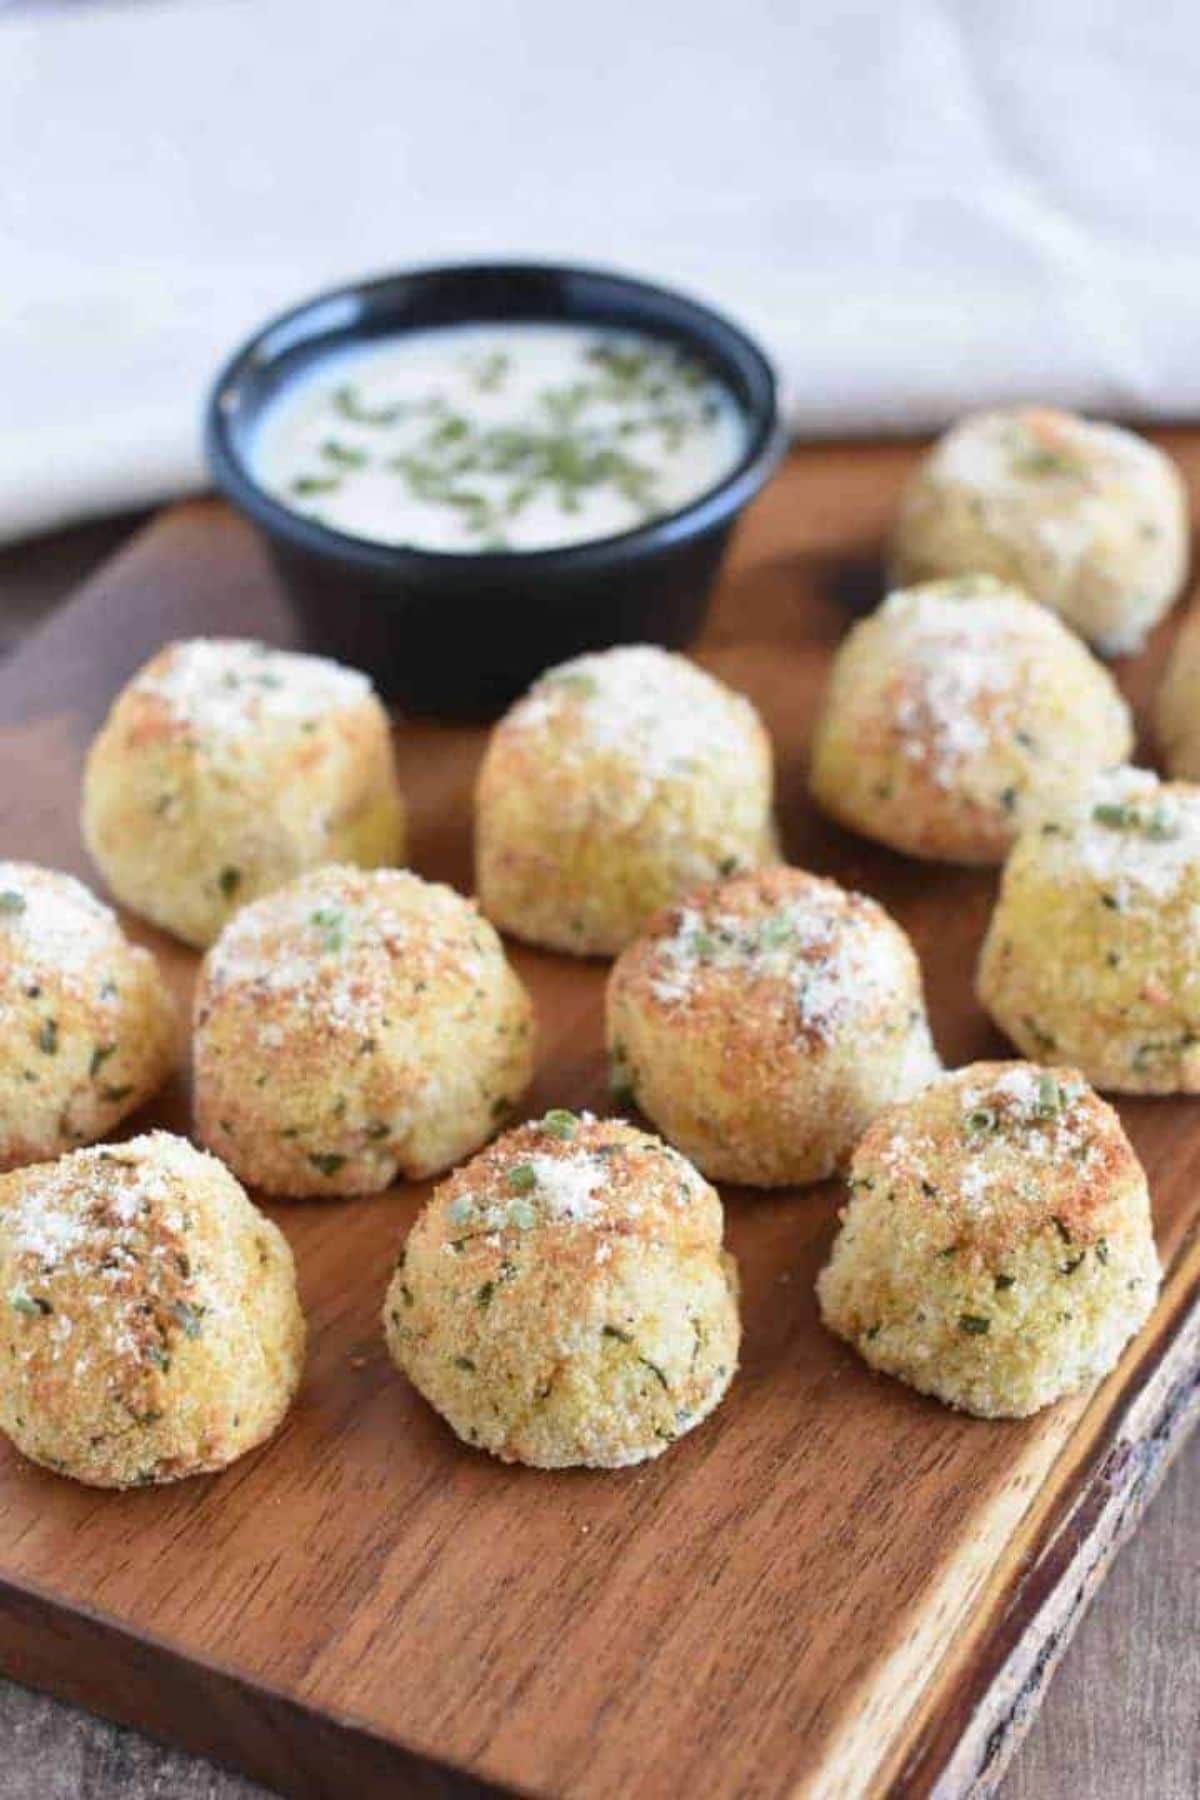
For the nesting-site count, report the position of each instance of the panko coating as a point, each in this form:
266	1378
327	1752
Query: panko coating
1177	708
997	1249
1092	955
355	1026
225	769
149	1321
764	1022
1091	519
957	712
87	1026
564	1299
621	780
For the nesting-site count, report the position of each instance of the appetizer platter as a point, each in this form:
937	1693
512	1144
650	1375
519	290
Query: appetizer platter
645	1244
832	1585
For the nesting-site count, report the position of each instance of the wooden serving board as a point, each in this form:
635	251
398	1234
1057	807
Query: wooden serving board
834	1587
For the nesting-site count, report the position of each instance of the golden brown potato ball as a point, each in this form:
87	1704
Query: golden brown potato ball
87	1027
564	1299
620	781
957	712
1093	951
149	1322
355	1026
763	1023
997	1248
225	769
1090	518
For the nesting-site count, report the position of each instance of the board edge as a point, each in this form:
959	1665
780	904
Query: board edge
184	1702
961	1750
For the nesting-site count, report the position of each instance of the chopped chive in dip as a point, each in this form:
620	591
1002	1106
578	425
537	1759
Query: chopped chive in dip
522	1178
11	902
349	404
346	456
304	485
516	436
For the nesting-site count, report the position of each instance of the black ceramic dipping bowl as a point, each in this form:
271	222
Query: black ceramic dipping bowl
461	634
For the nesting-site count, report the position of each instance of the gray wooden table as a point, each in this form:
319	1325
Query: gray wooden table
1121	1720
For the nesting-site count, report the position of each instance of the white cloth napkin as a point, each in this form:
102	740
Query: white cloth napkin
919	206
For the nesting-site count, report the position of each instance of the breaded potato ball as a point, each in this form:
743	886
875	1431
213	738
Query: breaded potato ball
355	1026
1091	519
764	1022
564	1299
620	781
87	1026
1177	709
149	1321
225	769
1093	951
997	1249
955	713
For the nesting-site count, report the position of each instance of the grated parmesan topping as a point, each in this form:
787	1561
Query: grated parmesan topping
1013	1134
568	1189
228	687
53	929
834	961
1136	837
964	649
662	712
562	1190
113	1220
1024	1115
1005	453
334	943
567	1186
94	1199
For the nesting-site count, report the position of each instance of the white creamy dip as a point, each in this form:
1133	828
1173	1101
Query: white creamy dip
516	436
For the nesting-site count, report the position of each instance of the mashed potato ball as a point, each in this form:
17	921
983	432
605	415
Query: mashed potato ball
765	1021
955	713
87	1027
997	1249
149	1322
354	1026
1092	520
1177	717
225	769
619	781
564	1298
1093	951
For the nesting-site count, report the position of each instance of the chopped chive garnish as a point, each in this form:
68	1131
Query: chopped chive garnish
326	1162
560	1123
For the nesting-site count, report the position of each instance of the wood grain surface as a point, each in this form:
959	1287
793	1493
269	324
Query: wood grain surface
789	1596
